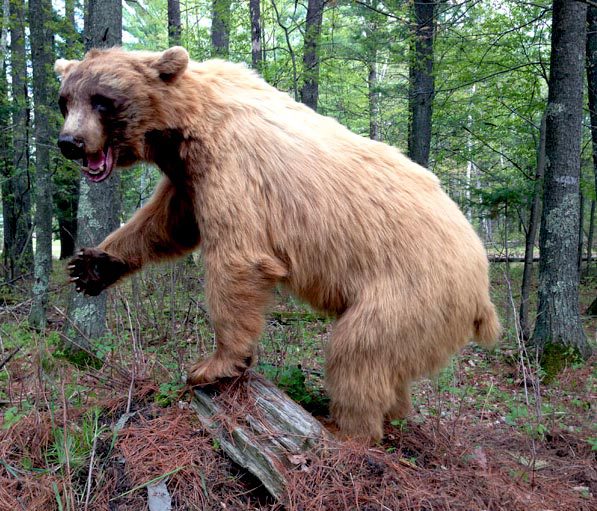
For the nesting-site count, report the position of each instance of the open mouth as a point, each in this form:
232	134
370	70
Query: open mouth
98	166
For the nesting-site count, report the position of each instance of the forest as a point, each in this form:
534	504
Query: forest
498	98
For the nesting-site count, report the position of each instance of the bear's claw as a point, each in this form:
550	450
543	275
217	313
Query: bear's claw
93	270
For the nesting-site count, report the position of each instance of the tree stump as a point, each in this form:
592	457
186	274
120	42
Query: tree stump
260	428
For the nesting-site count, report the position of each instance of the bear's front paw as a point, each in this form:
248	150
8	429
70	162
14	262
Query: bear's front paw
93	270
217	367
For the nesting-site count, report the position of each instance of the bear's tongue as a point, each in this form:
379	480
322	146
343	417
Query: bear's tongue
99	165
95	161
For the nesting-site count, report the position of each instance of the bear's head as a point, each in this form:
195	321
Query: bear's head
110	100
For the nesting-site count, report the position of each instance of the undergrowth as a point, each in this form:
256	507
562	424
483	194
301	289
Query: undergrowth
491	431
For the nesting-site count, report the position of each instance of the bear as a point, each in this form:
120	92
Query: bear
276	194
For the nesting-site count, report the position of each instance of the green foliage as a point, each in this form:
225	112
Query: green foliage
168	393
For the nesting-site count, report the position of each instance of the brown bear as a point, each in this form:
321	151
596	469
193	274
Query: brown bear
277	194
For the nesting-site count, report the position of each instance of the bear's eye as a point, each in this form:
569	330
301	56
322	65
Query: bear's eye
102	104
62	105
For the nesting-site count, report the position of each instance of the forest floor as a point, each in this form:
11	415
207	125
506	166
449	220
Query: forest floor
490	432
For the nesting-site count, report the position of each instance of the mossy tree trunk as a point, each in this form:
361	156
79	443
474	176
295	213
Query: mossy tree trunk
558	329
40	15
99	203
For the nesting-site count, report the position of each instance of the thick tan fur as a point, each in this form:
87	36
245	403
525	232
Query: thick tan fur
282	195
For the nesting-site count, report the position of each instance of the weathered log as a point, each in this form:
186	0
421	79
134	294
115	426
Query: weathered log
260	428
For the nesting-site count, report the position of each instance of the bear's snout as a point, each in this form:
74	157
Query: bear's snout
71	147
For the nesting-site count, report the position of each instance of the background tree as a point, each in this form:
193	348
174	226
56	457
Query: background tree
220	28
40	14
99	204
421	81
558	325
256	54
18	248
310	88
174	25
592	95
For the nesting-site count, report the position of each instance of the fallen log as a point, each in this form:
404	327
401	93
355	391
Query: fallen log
260	428
520	259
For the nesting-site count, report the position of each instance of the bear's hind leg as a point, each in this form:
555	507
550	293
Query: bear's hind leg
359	374
402	406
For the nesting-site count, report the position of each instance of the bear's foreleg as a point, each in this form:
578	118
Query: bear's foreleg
164	228
238	293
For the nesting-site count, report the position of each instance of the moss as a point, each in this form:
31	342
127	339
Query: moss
555	357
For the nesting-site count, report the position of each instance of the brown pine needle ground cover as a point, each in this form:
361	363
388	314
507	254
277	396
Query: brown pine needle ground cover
486	433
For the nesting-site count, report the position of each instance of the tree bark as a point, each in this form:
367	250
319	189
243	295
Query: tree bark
18	247
531	235
174	24
592	94
99	203
256	54
422	83
220	28
5	137
558	327
40	15
374	133
310	88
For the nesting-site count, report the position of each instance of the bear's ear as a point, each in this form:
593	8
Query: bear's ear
63	66
172	63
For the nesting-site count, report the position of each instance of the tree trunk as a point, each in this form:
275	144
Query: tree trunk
590	236
40	15
220	28
531	235
592	93
256	54
174	24
99	203
558	327
310	88
581	232
374	133
422	84
18	246
5	137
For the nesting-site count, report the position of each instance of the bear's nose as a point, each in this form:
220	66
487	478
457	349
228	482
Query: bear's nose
72	148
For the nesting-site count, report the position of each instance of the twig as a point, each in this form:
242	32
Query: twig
10	355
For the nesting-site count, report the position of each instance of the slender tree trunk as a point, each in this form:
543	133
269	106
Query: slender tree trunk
558	327
422	83
374	133
99	203
531	235
581	222
40	15
310	88
592	93
256	54
5	138
174	24
590	236
220	28
17	227
66	179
